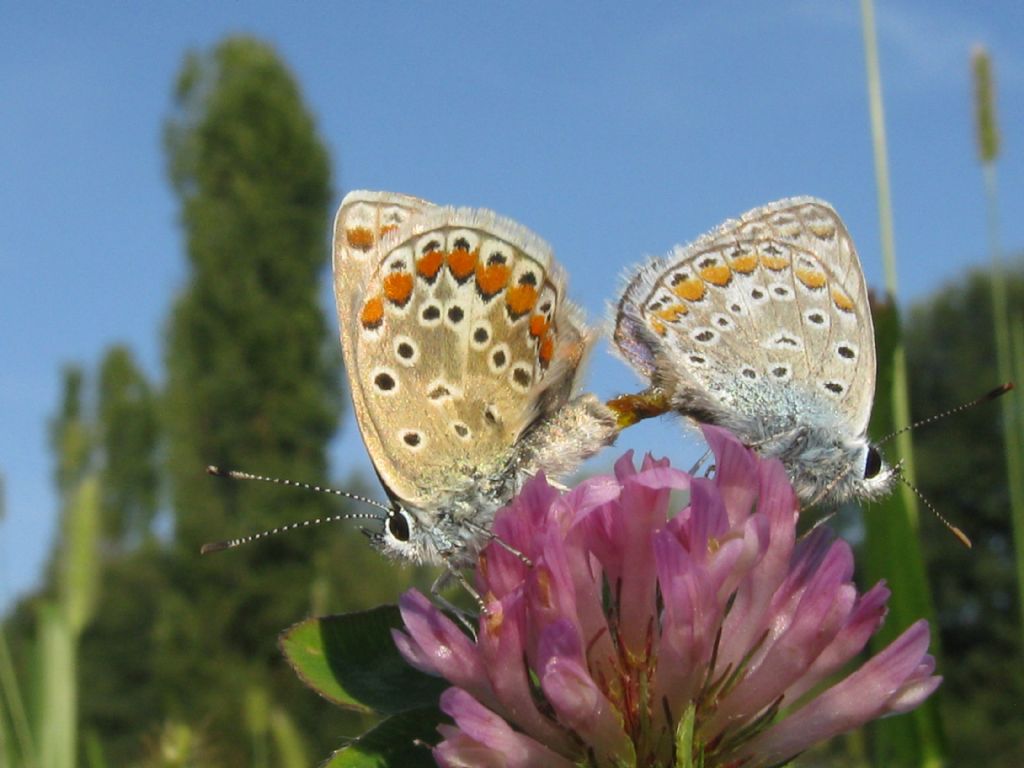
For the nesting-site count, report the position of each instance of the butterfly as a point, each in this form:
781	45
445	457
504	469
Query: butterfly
763	326
462	354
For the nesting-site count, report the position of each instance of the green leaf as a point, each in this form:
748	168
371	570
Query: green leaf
351	660
401	740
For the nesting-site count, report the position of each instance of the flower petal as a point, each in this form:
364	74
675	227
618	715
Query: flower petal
578	702
443	646
898	677
486	734
863	622
735	472
749	617
502	650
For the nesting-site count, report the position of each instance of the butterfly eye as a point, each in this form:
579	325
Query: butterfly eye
873	463
398	526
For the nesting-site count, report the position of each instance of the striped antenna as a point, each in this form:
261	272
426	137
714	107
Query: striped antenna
952	528
999	391
218	546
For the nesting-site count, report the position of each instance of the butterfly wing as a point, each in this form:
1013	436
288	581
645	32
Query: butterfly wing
364	218
758	325
460	339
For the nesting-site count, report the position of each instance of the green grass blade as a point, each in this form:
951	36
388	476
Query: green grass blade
80	558
1008	351
892	548
94	757
257	720
10	694
1013	424
288	744
892	552
1006	357
985	123
55	720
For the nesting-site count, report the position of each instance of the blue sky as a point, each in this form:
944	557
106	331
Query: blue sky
614	130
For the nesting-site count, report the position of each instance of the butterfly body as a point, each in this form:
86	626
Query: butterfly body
462	355
763	326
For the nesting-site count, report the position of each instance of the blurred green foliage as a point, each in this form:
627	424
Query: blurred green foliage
40	706
1009	349
177	664
891	548
961	468
892	551
128	431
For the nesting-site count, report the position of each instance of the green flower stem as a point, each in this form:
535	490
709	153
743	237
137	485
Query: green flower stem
893	549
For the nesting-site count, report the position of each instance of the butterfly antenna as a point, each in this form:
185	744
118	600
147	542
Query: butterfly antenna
999	391
218	546
952	528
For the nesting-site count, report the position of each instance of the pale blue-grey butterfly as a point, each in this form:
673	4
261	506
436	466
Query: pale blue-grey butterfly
763	326
462	354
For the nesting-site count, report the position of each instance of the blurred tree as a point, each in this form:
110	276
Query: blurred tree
960	468
120	703
128	431
250	380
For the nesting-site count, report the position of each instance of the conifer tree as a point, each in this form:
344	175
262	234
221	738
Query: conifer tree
252	380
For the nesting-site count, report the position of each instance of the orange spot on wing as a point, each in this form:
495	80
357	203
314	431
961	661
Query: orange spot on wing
520	299
718	274
744	264
398	288
812	278
429	264
373	313
822	231
547	350
691	289
359	238
538	326
657	326
842	301
462	262
673	313
386	229
774	263
492	279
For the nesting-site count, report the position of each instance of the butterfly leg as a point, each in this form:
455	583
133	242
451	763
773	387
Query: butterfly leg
794	435
821	495
491	536
821	521
467	619
700	462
